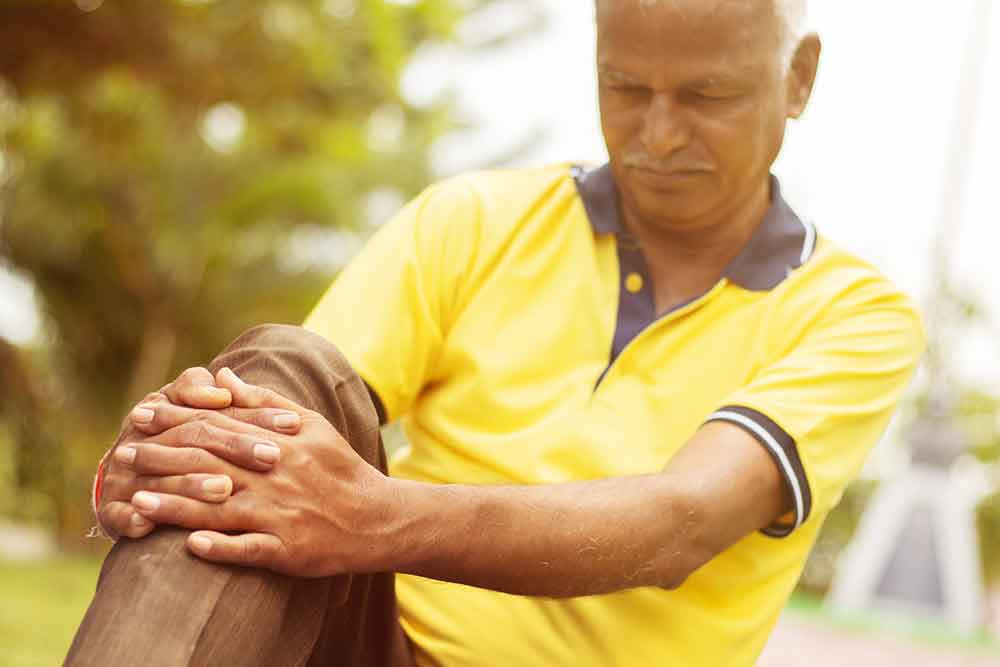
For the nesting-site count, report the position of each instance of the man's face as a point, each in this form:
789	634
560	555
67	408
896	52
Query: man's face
693	102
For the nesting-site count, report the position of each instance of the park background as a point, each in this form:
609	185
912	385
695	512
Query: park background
172	172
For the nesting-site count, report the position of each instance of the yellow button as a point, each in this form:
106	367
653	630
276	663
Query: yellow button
634	283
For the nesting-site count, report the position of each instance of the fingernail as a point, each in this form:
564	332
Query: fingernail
265	452
125	455
286	420
200	543
142	415
145	501
217	486
138	521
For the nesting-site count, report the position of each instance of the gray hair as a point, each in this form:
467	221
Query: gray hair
793	17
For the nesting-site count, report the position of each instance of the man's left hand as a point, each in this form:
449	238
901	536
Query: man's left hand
316	514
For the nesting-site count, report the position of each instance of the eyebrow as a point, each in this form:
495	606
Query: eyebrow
716	80
610	73
712	80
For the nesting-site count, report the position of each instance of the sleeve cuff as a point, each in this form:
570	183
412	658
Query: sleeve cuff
781	446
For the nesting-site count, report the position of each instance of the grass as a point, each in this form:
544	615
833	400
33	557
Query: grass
910	629
41	605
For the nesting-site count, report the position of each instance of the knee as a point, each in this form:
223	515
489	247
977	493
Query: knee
288	344
305	368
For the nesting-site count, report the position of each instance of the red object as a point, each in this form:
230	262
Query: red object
98	484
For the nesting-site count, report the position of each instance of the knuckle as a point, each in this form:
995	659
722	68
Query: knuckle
192	458
113	481
195	433
146	483
263	418
234	445
252	550
203	416
106	515
237	512
187	433
192	375
115	517
191	485
266	396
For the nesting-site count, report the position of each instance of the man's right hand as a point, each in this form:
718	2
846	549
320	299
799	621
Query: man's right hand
194	388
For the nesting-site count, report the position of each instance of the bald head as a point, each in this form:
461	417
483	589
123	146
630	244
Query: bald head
790	13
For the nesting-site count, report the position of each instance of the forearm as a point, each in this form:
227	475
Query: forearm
563	540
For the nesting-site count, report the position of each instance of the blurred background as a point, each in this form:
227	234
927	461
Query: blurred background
173	172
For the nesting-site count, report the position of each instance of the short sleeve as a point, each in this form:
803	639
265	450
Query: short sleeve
822	407
389	309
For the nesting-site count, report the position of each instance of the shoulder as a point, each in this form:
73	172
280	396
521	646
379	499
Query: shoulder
836	275
502	198
487	208
837	288
512	189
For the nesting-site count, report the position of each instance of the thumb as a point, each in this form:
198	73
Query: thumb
251	396
195	388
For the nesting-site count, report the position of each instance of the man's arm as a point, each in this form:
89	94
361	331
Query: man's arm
319	513
593	537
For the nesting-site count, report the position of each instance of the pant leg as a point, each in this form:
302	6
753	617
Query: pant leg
157	605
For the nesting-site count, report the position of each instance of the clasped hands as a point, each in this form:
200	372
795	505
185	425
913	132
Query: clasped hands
262	481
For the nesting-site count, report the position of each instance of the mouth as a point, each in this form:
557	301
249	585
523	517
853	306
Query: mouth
668	177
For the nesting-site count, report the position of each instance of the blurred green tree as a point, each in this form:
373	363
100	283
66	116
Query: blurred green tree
172	172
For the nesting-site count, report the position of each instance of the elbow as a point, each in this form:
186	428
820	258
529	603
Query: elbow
677	573
674	580
686	546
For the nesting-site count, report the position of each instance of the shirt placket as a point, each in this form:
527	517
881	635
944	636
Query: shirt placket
636	304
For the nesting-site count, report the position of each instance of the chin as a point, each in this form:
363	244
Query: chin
675	205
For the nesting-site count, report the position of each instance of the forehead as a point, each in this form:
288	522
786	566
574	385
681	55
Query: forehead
671	35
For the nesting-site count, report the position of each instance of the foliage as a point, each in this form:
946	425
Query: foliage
978	416
988	524
41	605
837	531
172	172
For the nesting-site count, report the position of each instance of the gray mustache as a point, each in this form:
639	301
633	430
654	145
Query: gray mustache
642	162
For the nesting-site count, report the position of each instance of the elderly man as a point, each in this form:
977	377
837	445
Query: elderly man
632	394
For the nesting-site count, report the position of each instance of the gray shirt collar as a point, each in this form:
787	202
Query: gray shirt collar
781	244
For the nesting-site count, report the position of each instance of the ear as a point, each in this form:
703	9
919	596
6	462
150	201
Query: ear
802	74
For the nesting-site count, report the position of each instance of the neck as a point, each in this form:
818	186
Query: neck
686	259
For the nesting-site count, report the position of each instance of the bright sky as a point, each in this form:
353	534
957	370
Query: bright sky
867	162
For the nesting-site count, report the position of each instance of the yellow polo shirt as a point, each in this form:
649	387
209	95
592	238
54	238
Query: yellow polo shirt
507	320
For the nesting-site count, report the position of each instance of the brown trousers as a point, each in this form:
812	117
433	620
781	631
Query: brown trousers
156	605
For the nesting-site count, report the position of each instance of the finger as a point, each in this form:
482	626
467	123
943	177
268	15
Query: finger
250	451
159	417
188	513
270	419
248	549
251	396
142	415
146	458
196	388
119	519
197	486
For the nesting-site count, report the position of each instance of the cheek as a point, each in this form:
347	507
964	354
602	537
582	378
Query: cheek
621	121
742	141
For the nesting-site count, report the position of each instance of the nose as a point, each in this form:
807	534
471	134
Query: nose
665	128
